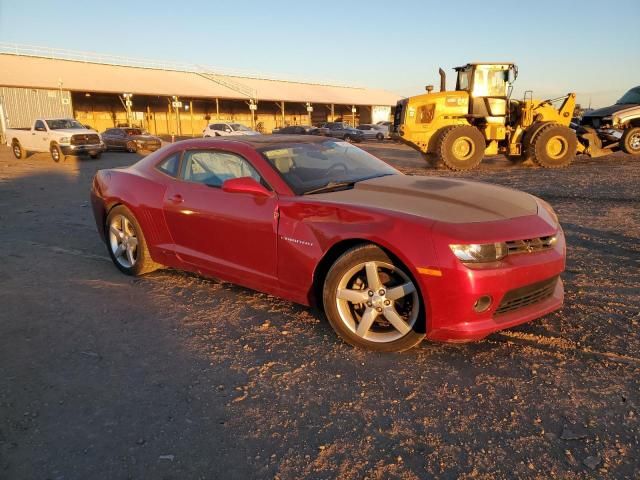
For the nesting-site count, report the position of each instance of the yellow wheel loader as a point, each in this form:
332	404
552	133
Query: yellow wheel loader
459	127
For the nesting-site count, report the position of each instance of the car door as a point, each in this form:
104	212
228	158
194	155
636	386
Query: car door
39	138
108	138
120	138
232	235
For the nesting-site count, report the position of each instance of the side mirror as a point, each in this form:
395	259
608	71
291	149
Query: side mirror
429	88
245	185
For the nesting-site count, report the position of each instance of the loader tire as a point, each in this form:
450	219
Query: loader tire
460	147
554	146
630	141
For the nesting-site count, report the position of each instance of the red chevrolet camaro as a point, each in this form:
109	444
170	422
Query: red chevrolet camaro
391	258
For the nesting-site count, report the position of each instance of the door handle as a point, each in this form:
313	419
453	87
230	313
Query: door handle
177	198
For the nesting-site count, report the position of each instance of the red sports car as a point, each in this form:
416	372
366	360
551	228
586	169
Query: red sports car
391	258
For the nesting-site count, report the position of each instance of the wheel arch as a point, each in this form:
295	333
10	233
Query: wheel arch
340	247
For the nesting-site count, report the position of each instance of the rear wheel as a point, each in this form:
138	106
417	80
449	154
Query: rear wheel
380	137
630	141
554	146
17	149
56	153
372	302
460	147
126	243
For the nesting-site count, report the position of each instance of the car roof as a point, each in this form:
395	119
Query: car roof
259	141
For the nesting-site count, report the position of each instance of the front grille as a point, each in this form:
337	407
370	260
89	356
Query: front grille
85	139
530	245
525	296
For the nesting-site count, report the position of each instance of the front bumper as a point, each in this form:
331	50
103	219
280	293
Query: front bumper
450	299
83	149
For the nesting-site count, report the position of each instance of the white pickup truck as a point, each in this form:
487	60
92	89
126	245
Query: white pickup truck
58	136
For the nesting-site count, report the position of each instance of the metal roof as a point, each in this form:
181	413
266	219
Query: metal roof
32	71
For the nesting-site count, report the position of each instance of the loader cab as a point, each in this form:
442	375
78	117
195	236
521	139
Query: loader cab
488	86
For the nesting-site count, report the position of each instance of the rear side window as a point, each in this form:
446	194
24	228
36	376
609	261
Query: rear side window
170	165
213	168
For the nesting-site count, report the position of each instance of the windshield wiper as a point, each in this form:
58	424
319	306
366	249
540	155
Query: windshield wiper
330	187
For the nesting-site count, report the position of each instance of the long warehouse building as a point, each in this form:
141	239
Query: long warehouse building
167	99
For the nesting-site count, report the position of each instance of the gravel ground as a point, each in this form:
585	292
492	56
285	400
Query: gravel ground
173	376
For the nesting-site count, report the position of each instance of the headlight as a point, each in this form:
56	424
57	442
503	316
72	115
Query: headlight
478	253
64	140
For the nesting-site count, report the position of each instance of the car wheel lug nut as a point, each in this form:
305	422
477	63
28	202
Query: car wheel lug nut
379	309
387	302
369	304
371	293
381	292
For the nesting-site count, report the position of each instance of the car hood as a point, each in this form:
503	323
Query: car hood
438	199
74	131
608	111
144	138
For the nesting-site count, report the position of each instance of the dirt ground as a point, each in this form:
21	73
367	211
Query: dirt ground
173	376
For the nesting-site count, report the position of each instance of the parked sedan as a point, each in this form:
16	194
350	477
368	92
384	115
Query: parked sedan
224	129
371	132
130	140
296	130
391	258
343	131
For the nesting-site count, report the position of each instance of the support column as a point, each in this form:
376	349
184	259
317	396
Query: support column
191	111
217	109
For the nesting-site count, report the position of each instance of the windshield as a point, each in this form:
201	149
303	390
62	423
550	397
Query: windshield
490	81
63	124
309	166
632	96
239	128
134	131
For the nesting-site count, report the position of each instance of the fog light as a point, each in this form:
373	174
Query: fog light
482	304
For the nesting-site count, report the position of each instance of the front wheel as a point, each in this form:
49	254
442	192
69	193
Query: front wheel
17	149
56	153
380	137
95	156
126	243
132	147
554	146
371	301
460	147
630	141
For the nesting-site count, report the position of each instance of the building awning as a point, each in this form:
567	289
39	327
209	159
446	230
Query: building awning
78	76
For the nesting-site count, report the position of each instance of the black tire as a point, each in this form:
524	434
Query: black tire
143	261
18	151
56	153
630	141
131	147
460	147
349	260
380	137
553	146
96	156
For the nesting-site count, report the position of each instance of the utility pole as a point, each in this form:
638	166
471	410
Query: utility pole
309	111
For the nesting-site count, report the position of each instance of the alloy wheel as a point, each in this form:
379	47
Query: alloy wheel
123	241
377	301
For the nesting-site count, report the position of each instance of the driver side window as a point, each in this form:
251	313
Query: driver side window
212	168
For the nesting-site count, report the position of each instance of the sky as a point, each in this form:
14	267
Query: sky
585	46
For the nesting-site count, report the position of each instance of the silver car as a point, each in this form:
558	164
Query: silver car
372	132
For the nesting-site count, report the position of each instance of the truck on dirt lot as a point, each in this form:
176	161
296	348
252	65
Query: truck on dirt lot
617	126
58	136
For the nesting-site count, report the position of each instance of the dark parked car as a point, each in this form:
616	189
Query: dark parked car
130	139
296	130
618	125
343	131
